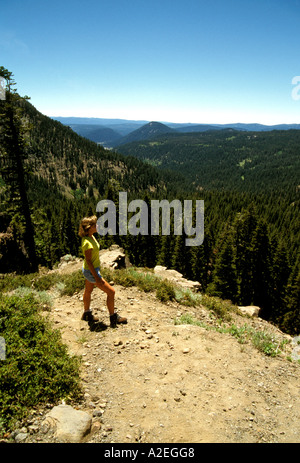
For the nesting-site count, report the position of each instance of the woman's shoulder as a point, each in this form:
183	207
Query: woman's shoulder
86	240
89	240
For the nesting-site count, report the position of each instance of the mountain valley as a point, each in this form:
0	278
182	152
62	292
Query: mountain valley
249	182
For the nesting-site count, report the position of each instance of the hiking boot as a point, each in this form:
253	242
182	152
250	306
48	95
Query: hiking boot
116	319
89	317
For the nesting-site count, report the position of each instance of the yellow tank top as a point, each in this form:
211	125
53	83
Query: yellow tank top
89	242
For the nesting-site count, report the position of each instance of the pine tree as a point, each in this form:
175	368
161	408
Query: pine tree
180	260
12	156
224	283
261	269
165	252
244	226
290	322
281	271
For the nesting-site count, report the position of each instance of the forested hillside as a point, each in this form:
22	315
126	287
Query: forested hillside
258	162
250	252
66	175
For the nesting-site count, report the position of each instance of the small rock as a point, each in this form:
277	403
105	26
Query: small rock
21	437
118	342
96	426
98	413
70	425
33	428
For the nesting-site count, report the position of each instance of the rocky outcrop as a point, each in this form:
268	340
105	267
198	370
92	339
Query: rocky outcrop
251	310
114	258
176	277
69	264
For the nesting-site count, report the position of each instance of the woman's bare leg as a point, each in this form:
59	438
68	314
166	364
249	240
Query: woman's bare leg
87	295
110	292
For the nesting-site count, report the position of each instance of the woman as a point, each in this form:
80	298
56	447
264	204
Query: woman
91	272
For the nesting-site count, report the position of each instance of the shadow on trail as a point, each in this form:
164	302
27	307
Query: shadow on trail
97	326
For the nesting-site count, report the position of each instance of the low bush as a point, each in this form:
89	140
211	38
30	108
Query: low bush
72	283
10	281
220	307
187	319
166	291
37	367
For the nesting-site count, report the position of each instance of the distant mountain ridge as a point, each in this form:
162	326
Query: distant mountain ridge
98	133
115	132
146	132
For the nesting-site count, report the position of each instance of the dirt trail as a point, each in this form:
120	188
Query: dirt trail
156	382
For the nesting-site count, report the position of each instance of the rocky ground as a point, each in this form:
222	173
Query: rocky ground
152	381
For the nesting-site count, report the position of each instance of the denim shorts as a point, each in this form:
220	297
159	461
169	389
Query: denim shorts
89	276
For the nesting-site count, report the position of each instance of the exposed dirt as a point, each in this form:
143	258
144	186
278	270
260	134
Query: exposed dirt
153	381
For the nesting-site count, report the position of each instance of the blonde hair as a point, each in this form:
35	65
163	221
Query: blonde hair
86	224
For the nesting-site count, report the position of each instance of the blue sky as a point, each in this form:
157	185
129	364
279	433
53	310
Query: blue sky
176	61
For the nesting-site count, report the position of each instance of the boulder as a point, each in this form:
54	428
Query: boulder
69	264
177	278
114	258
69	425
251	310
67	258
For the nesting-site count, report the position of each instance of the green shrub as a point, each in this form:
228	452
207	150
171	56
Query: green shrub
46	282
43	298
145	280
187	297
37	367
242	333
187	319
220	307
165	291
72	283
9	281
266	343
124	278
